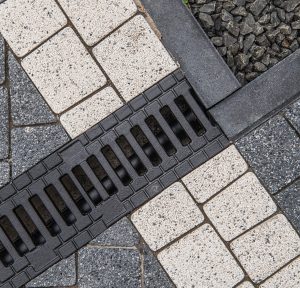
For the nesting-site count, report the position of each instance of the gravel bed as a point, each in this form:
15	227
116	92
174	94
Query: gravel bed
251	35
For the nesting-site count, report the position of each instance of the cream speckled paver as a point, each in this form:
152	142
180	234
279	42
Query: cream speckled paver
90	112
240	206
63	71
246	285
26	23
267	247
134	58
95	19
288	277
200	259
167	216
215	174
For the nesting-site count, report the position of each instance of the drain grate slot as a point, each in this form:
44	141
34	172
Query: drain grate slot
13	236
190	115
45	215
161	136
5	257
60	205
29	225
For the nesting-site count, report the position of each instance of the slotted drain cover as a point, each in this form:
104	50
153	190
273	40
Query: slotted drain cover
70	197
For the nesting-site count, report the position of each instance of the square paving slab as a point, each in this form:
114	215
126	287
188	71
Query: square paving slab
26	23
63	71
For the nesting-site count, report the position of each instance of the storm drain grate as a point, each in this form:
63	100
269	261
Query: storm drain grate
77	192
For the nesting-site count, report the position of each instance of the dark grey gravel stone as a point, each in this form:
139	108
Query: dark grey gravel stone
28	105
289	202
2	60
31	144
120	234
273	151
293	114
109	268
154	275
61	274
4	129
206	20
258	6
290	5
4	173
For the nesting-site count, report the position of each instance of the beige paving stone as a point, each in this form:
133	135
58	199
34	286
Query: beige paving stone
200	259
240	206
287	277
246	284
167	216
63	70
27	23
267	247
215	174
95	19
134	58
90	111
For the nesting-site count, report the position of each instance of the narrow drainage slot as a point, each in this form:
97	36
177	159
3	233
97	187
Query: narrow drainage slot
102	176
73	191
60	205
115	163
145	144
29	226
13	236
132	157
5	257
87	185
190	116
174	124
45	215
161	136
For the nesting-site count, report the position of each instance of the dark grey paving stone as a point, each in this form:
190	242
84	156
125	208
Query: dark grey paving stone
293	114
105	268
2	60
4	129
27	104
31	144
61	274
4	173
154	275
202	64
273	151
270	91
289	202
120	234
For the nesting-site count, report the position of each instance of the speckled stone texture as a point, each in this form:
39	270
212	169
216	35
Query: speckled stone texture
61	274
293	115
4	173
289	202
63	70
26	23
90	112
167	216
113	268
31	144
134	58
3	123
200	259
2	60
27	104
288	277
121	234
215	174
272	151
239	207
246	285
95	19
267	247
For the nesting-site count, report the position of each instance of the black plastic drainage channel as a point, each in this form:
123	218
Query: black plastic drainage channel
77	192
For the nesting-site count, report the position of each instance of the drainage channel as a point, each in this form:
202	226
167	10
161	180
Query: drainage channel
73	195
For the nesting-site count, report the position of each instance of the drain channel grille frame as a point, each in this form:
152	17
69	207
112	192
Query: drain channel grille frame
77	192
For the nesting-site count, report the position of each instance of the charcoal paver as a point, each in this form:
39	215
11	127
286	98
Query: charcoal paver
2	60
272	150
4	173
4	129
293	115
